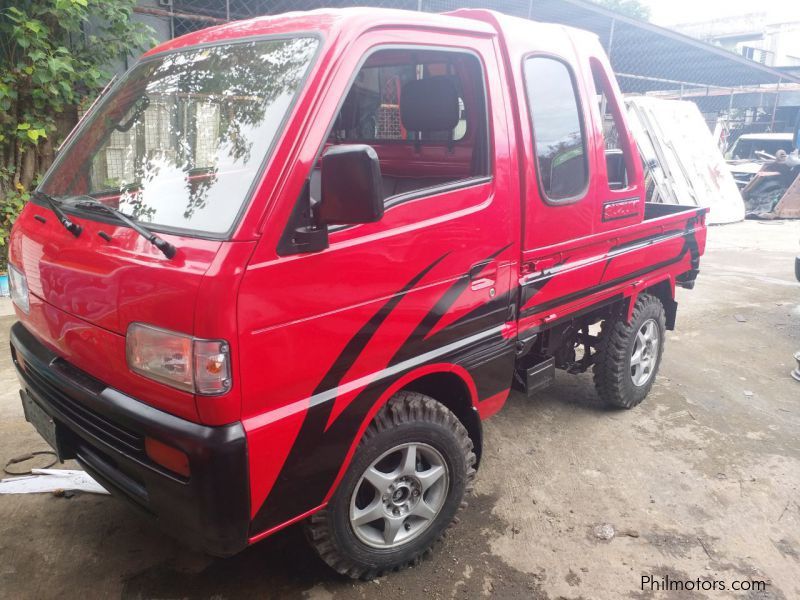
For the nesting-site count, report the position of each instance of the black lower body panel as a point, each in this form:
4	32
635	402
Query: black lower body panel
105	431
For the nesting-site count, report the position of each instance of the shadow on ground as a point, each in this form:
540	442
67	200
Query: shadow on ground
284	566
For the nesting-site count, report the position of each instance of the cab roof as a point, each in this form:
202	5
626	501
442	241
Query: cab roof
329	23
351	22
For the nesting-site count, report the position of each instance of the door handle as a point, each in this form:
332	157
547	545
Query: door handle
543	264
483	274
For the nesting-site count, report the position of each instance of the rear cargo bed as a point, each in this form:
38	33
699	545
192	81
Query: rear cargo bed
653	210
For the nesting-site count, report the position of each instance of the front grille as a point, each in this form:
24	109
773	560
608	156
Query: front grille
113	434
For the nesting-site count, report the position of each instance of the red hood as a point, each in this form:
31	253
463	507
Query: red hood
109	284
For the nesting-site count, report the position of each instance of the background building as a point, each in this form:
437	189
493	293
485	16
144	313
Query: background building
763	37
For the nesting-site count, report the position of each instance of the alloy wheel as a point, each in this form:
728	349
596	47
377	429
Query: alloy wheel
399	495
644	355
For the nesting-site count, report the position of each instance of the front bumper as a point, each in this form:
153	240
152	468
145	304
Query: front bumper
104	430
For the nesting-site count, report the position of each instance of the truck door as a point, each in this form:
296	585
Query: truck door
424	290
560	186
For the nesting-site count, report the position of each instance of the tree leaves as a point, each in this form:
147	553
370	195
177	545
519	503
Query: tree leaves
53	58
56	54
35	134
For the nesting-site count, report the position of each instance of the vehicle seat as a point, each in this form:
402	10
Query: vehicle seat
427	105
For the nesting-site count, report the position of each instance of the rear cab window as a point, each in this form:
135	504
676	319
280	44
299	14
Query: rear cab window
619	154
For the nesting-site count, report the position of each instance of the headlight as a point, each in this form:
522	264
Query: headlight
18	287
181	361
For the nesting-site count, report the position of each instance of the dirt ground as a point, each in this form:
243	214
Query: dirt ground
702	481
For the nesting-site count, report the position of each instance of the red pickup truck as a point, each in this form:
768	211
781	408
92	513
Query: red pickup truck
284	267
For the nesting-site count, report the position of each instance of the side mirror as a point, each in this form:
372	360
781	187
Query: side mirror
352	187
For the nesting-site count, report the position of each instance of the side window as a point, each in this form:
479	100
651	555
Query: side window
618	154
558	129
424	113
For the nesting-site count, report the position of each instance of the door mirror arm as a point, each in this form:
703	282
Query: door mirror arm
304	232
310	238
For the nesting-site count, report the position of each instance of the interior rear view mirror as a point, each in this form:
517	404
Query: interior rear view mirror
352	188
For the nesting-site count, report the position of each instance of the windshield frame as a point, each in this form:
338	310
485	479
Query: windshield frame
258	176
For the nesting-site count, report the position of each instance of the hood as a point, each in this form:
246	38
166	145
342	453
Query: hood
109	283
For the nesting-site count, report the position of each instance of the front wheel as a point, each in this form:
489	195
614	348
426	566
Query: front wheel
630	353
401	492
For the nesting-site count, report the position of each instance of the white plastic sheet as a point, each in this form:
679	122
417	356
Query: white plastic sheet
50	480
690	168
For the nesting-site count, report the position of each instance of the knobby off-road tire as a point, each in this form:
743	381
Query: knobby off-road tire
435	485
618	382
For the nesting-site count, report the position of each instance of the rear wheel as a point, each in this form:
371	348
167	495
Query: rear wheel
405	484
630	353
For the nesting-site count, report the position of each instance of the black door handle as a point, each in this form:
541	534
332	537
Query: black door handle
476	269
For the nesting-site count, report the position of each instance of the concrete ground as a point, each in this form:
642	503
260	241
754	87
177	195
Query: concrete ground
700	481
6	307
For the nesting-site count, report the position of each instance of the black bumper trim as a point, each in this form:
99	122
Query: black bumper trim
104	430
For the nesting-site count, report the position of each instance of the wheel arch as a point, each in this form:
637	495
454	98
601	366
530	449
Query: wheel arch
664	290
452	391
448	384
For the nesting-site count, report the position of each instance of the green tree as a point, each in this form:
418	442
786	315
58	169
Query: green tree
55	56
630	8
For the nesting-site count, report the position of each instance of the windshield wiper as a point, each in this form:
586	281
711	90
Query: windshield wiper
70	226
159	242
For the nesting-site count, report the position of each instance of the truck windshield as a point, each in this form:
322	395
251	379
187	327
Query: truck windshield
179	141
747	148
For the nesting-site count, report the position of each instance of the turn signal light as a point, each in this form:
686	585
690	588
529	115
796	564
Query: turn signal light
179	360
168	457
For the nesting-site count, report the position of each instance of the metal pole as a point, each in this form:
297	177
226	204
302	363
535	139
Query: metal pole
730	103
419	5
530	9
775	106
171	21
611	38
681	96
677	82
227	10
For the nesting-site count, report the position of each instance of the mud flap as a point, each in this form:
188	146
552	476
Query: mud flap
531	374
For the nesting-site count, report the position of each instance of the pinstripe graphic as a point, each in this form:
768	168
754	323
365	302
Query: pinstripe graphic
537	281
320	447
